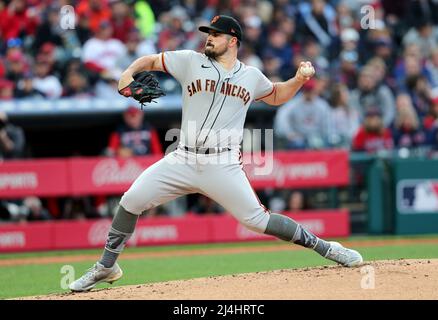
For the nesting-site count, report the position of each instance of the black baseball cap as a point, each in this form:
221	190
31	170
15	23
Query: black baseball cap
224	24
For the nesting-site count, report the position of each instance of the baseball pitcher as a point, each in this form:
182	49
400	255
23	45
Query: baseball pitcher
217	90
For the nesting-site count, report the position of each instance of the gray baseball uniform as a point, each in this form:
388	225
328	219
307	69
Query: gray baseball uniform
207	159
214	106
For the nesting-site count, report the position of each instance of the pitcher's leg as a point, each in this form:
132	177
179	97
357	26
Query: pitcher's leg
164	181
229	186
161	182
231	189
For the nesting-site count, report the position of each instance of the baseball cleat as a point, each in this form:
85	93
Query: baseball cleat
96	274
344	256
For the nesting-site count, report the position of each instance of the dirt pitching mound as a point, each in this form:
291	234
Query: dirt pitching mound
388	279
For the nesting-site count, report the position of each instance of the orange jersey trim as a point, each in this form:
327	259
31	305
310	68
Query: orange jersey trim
272	91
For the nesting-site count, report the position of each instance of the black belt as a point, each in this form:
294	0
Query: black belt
206	150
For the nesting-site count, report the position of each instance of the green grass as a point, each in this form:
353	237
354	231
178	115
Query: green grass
26	280
136	249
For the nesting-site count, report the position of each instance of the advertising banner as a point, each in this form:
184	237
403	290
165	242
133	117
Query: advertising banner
61	235
34	177
416	196
298	169
104	175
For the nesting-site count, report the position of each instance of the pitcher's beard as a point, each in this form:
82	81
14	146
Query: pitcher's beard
209	52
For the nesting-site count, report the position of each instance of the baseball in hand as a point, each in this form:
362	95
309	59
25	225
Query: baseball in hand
306	69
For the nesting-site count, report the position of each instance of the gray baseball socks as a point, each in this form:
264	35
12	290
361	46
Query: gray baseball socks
287	229
121	230
279	226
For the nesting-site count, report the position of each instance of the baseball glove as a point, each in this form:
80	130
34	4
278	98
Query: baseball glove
145	88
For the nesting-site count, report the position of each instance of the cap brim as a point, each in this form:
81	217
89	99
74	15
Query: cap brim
206	29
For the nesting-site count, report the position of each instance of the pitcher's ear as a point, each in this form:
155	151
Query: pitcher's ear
233	40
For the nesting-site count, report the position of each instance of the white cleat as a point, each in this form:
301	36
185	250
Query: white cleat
344	256
96	274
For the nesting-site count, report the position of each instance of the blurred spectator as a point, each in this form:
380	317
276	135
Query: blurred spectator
318	22
283	8
344	16
344	65
430	123
145	17
271	65
102	51
249	58
49	31
410	66
349	39
79	208
383	48
279	47
5	216
431	119
14	45
12	140
121	20
16	66
253	32
407	131
297	202
12	211
432	67
376	41
422	10
345	71
174	36
76	86
107	86
134	137
25	88
47	54
17	20
378	65
76	65
288	26
344	120
372	136
136	48
2	69
431	126
6	89
349	42
420	93
82	30
34	210
322	86
303	122
46	82
424	35
312	52
97	11
204	205
371	94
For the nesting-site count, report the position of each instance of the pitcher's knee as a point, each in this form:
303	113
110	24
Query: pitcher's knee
257	222
132	203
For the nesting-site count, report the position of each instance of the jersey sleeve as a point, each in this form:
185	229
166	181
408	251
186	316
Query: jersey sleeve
264	87
177	63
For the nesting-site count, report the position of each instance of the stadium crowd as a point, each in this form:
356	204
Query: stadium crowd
376	84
